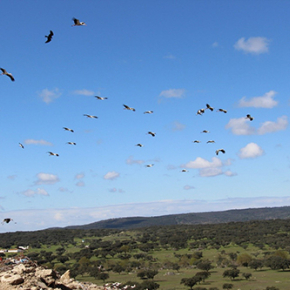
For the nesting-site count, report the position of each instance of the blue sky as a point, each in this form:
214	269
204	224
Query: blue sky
171	57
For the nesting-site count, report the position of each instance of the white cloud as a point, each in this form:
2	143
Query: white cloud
254	45
178	126
46	178
37	142
84	92
79	176
240	126
209	172
270	127
188	187
63	189
251	150
265	101
48	96
131	161
32	220
230	173
80	184
215	44
200	163
111	175
172	93
38	191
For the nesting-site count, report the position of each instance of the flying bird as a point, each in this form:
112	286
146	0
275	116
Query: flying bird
249	117
52	154
77	22
205	131
7	220
149	165
196	141
91	116
210	141
152	133
68	129
184	170
139	145
200	112
49	37
101	98
220	150
129	108
148	112
4	72
222	110
71	143
209	107
21	145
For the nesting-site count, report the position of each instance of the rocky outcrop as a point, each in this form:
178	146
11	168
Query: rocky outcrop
30	276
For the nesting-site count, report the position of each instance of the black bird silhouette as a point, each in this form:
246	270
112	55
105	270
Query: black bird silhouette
77	22
49	36
7	220
4	72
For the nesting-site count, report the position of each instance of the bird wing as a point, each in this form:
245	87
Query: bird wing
76	21
3	70
127	107
11	77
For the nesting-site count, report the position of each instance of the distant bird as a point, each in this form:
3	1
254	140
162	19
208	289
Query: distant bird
220	150
209	107
249	117
71	143
91	116
101	98
49	37
222	110
4	72
184	170
205	131
21	145
152	133
129	108
139	145
77	22
148	112
149	165
68	129
200	112
196	141
52	154
210	141
7	220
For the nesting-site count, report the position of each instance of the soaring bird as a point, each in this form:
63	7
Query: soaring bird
7	220
91	116
210	141
4	72
184	170
200	112
101	98
129	108
148	112
52	154
196	141
49	37
68	129
205	131
139	145
71	143
220	150
21	145
152	133
249	117
222	110
209	107
149	165
77	22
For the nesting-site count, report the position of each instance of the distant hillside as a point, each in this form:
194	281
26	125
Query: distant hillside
236	215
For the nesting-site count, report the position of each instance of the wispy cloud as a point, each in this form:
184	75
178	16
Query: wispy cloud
37	142
84	92
172	93
251	150
79	176
177	126
169	56
254	45
265	101
215	44
80	183
28	220
49	96
111	175
132	161
12	177
46	178
116	190
188	187
38	191
270	127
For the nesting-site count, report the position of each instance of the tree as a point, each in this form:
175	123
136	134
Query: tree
255	264
118	268
190	282
272	288
150	285
151	274
247	276
244	259
204	265
231	273
277	263
103	276
228	286
203	275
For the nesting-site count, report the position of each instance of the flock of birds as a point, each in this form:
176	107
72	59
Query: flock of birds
126	107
